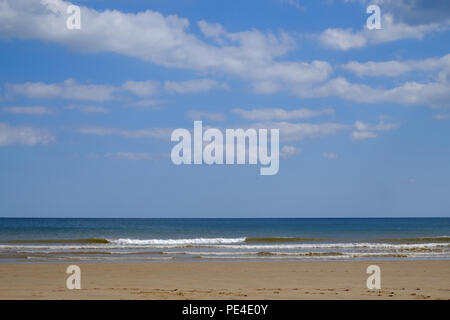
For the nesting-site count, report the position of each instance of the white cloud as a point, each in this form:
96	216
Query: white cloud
434	94
415	12
276	77
34	110
87	108
69	89
134	156
442	116
342	39
330	155
380	126
392	31
212	30
396	68
163	40
364	130
141	88
294	3
97	131
299	131
363	135
289	151
388	68
191	86
147	104
345	39
156	133
11	135
199	115
273	114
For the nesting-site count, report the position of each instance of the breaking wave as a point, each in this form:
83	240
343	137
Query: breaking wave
195	241
36	241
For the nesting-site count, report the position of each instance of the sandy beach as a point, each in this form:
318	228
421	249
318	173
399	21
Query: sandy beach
232	280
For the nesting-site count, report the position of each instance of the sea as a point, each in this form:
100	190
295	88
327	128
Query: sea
40	240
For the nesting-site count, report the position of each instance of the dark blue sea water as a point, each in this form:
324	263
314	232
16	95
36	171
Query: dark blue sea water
40	240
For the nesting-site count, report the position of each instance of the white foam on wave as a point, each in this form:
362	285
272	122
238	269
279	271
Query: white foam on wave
222	243
194	241
335	246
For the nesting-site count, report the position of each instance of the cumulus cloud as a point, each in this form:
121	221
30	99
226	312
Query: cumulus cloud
442	116
12	135
212	30
163	40
380	126
69	89
271	79
97	131
299	131
200	115
87	108
330	155
289	151
147	104
273	114
134	156
141	88
288	131
416	12
364	130
342	39
34	110
363	135
346	39
294	3
156	133
434	94
191	86
72	90
395	68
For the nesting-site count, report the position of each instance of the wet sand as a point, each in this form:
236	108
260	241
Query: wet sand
228	280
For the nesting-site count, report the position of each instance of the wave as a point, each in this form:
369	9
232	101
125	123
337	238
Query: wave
87	240
227	244
280	239
367	245
418	239
298	242
194	241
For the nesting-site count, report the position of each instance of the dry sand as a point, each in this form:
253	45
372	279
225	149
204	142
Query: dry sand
230	280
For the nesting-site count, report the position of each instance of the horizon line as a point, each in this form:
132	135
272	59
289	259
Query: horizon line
406	217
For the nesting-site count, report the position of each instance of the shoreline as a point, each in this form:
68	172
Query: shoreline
418	279
262	259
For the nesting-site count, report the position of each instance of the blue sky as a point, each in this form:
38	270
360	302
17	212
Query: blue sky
86	115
